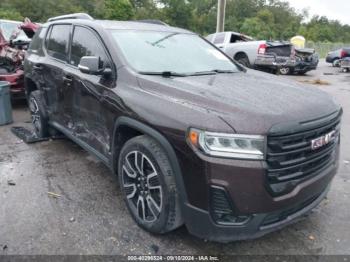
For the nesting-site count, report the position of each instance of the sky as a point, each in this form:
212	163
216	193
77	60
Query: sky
333	9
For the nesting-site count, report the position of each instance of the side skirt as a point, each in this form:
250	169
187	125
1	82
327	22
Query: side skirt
81	143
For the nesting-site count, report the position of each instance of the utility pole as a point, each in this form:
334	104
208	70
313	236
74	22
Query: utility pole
221	16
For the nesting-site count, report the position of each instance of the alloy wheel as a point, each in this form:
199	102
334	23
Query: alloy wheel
284	70
142	186
35	114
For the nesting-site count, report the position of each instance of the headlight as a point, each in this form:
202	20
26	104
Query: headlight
228	145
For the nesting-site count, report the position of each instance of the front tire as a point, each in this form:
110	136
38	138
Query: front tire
148	185
38	114
284	71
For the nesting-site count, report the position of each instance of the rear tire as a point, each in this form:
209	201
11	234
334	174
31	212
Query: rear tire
38	114
148	185
243	60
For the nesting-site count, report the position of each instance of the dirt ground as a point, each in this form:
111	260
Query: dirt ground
90	217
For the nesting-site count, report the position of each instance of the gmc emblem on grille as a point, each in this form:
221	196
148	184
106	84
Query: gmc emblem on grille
323	140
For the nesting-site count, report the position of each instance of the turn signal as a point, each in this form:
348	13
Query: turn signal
193	137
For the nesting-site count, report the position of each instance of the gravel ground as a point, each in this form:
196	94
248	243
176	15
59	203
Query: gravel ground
90	217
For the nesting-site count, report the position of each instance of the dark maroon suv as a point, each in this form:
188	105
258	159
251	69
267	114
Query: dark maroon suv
194	138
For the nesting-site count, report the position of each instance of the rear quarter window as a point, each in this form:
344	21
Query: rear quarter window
219	38
57	41
37	40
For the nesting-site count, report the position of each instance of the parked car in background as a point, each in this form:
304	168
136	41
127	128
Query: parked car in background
335	56
277	56
14	41
193	137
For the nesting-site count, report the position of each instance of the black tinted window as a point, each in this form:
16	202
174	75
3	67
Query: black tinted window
86	43
58	41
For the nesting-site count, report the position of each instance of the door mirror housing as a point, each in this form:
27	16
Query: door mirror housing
91	65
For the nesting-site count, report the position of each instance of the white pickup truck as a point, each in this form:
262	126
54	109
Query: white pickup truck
276	56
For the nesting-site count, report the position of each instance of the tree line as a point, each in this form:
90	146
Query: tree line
262	19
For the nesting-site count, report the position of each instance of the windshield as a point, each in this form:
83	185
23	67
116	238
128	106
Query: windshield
11	28
155	52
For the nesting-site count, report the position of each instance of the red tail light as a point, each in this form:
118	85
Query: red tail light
262	49
343	54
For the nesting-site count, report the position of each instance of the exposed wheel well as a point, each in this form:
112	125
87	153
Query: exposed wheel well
126	128
30	86
240	55
122	134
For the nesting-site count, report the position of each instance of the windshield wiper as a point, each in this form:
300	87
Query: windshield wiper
223	71
163	39
172	73
164	74
213	72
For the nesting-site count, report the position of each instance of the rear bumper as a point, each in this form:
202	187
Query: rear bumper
345	63
297	65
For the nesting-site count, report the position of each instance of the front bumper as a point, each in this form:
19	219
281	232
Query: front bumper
246	187
204	227
298	65
266	214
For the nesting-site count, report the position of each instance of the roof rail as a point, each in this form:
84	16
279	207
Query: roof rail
152	21
71	16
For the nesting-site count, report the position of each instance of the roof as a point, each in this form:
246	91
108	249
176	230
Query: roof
136	25
123	25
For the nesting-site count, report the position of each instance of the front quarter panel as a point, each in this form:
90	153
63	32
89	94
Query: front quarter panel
170	118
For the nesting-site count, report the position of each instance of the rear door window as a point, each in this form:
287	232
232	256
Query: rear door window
86	43
57	42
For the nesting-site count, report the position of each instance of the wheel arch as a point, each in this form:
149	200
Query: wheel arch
240	54
29	86
139	128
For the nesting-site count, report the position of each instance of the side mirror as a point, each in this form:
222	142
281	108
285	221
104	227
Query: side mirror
91	65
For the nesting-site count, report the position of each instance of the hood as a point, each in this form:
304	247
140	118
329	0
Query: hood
250	102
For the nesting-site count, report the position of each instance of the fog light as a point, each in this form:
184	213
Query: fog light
222	210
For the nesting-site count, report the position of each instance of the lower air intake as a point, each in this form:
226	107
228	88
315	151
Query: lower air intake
222	209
